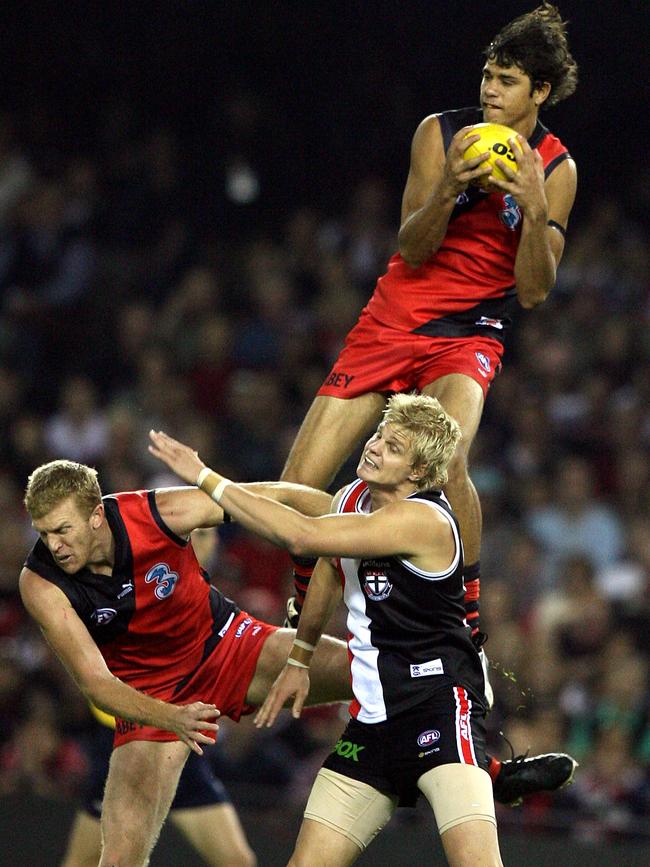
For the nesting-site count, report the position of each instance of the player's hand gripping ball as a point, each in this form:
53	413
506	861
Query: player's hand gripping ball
494	139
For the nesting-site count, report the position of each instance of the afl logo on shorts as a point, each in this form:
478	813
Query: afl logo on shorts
377	587
431	736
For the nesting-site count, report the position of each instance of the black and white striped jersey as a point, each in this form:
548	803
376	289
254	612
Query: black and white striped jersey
407	631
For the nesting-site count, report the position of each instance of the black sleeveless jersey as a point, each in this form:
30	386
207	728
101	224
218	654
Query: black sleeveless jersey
407	631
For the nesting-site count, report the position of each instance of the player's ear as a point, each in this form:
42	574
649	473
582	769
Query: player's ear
541	92
97	516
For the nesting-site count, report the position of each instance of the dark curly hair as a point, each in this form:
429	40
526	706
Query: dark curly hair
536	43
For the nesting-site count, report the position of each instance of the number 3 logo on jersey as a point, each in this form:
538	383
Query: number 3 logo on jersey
165	580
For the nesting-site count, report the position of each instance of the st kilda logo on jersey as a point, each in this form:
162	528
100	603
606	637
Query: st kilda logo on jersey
376	585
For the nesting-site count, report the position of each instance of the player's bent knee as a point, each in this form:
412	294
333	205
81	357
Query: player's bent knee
458	794
354	809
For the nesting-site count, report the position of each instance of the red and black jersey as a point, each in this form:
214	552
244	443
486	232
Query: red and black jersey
467	287
407	632
156	619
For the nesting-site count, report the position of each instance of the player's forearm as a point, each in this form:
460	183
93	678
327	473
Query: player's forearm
308	501
272	520
118	699
535	265
422	233
323	595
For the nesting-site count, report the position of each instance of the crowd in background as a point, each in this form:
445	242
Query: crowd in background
135	294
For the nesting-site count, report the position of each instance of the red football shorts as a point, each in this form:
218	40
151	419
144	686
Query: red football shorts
379	358
223	679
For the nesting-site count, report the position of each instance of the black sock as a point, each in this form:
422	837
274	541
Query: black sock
302	572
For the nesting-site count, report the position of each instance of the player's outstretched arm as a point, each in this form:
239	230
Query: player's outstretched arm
323	595
70	640
185	509
394	529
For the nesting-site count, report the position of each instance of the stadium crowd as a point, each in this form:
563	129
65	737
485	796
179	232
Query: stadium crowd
134	295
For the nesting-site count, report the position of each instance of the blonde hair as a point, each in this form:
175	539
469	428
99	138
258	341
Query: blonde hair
51	483
432	432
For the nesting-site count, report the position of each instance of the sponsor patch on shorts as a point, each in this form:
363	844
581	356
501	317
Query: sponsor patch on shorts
426	669
484	361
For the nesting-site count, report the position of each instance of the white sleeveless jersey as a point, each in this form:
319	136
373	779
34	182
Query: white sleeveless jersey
407	631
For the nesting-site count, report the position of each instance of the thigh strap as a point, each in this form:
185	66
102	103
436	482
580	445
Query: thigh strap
349	806
458	793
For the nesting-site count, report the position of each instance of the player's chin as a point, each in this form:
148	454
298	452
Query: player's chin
362	468
492	115
364	472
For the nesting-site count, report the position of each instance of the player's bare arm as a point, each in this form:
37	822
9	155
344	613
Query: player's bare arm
323	596
186	509
397	528
404	528
546	206
434	181
73	644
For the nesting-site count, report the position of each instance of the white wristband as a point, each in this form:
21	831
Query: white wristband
202	476
292	661
218	491
304	645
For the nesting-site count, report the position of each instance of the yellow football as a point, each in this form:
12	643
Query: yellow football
494	140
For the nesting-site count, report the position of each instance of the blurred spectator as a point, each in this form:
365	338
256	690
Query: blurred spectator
627	583
197	296
39	757
574	521
26	446
253	425
366	236
609	794
46	269
212	364
12	396
16	172
78	430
